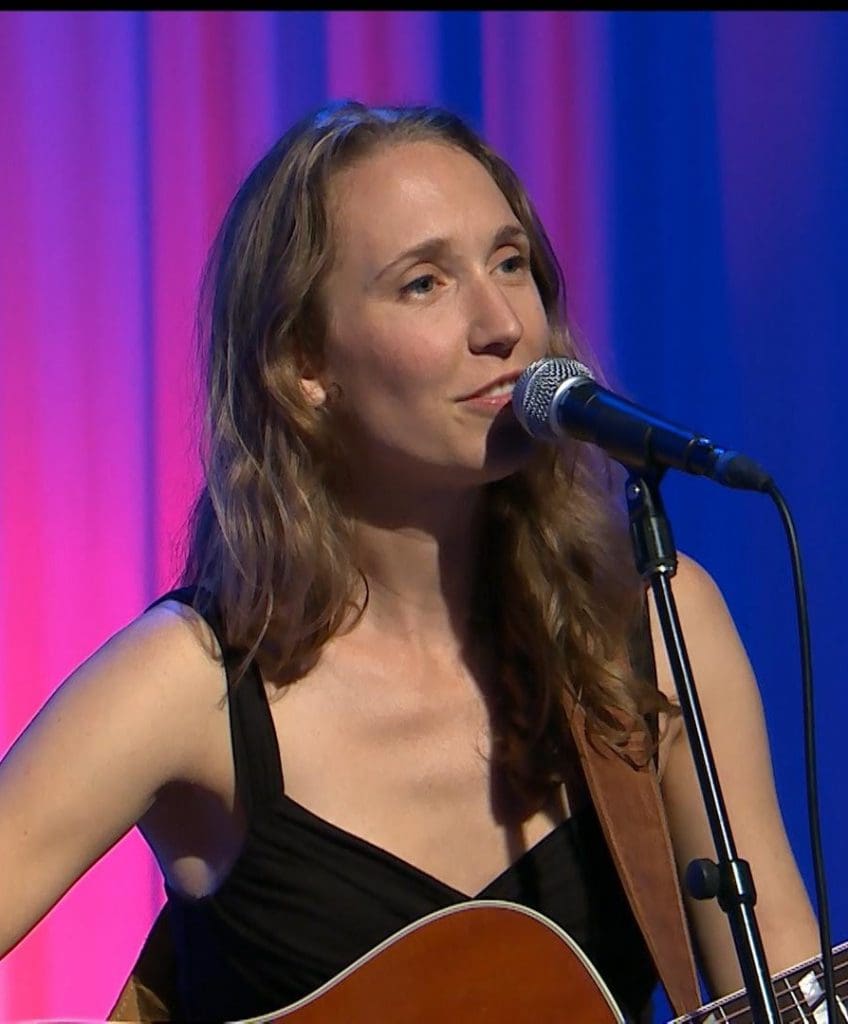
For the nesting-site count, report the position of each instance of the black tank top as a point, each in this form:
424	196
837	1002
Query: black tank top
305	898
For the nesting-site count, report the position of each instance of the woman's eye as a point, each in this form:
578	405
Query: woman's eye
513	263
420	286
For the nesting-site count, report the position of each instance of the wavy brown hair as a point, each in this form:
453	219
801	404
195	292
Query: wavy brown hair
269	542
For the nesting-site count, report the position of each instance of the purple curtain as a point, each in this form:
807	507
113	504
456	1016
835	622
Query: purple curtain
690	168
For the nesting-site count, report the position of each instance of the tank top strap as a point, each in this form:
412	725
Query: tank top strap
256	753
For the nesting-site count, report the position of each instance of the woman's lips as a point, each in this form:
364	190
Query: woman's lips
488	403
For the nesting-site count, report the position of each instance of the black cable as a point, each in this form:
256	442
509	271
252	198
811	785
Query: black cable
809	751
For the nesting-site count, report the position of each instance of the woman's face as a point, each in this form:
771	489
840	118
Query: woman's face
431	314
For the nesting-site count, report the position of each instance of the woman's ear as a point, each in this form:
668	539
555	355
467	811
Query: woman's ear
310	377
313	390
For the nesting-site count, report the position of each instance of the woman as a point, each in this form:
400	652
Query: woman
358	711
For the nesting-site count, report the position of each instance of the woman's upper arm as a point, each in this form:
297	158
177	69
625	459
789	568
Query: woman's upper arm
736	729
90	763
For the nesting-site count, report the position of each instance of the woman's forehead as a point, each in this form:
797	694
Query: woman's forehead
406	192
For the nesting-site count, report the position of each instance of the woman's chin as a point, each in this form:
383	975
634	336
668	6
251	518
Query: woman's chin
508	446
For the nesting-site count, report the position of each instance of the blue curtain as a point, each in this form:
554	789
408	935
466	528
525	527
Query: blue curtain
691	168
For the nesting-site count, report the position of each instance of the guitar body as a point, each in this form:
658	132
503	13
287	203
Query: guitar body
488	962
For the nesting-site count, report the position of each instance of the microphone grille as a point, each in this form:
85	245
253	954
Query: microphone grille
533	395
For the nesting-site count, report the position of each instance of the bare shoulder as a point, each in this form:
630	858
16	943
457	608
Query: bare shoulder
174	640
171	627
141	712
723	676
709	632
168	642
696	591
136	693
164	666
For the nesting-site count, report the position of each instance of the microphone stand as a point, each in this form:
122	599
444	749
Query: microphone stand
730	879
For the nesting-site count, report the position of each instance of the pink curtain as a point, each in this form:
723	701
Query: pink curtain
125	135
690	168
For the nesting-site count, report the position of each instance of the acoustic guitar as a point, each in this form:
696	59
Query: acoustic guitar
490	962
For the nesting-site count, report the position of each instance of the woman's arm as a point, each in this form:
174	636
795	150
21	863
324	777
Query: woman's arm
733	715
130	719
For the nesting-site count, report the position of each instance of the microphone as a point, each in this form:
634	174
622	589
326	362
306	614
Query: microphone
558	397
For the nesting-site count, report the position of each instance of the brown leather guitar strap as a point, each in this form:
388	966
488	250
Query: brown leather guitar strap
629	807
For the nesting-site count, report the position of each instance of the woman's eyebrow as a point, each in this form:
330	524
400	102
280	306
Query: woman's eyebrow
430	248
433	248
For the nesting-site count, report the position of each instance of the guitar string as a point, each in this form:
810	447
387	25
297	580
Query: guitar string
790	988
809	1013
783	1006
738	1015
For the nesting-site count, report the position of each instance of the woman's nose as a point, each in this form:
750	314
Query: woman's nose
494	325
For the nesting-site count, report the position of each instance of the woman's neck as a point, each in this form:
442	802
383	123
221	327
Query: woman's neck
420	564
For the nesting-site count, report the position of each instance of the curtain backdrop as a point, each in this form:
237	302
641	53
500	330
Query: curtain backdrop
691	169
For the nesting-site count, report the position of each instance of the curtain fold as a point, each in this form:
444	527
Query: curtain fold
690	168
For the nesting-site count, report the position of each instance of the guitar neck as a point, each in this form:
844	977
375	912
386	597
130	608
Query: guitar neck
799	993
